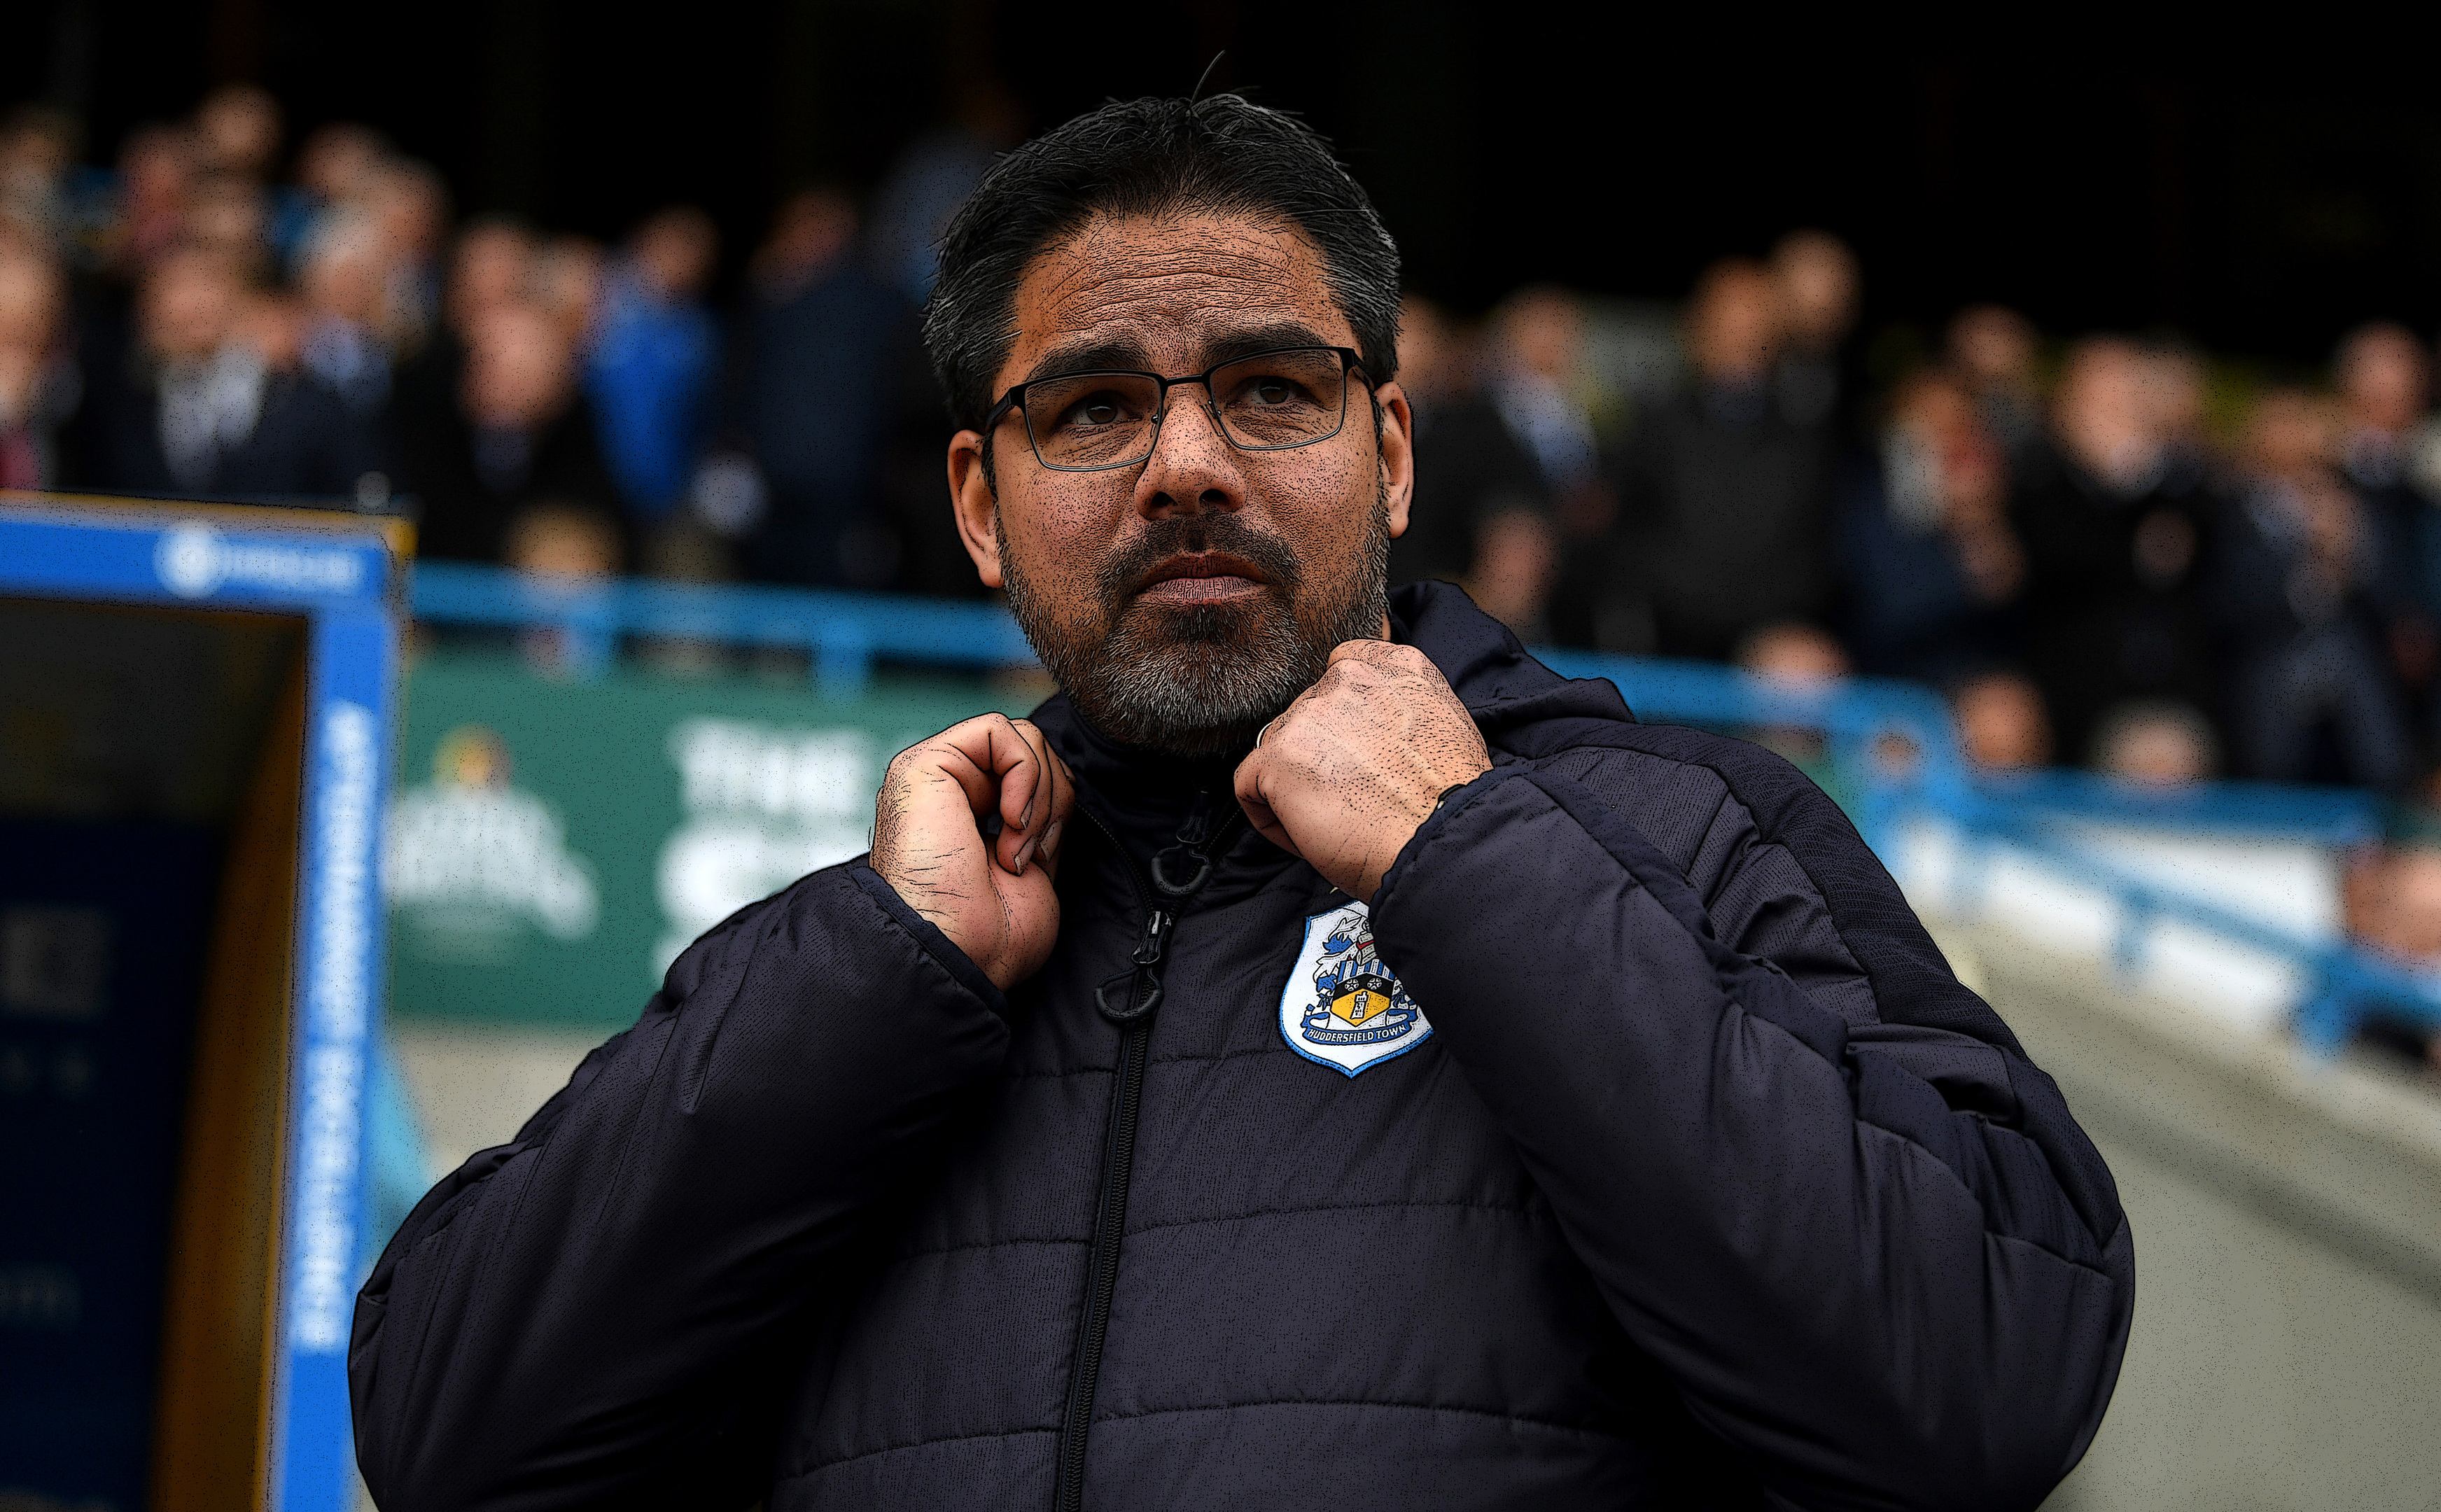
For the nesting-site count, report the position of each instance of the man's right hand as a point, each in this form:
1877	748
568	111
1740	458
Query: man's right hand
992	896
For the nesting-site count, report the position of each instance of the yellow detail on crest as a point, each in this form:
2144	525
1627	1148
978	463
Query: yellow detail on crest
1359	1004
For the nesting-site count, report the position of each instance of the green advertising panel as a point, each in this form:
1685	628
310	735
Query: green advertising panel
553	845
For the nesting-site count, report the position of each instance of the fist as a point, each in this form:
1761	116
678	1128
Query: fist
1345	776
990	895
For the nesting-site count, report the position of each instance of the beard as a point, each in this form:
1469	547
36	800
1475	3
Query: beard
1198	679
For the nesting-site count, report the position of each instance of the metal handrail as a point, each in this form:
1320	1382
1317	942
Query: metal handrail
845	633
1894	742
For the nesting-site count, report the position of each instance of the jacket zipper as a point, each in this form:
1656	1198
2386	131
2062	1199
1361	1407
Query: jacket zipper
1138	993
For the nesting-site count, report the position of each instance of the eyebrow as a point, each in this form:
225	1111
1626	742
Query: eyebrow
1127	355
1091	356
1270	337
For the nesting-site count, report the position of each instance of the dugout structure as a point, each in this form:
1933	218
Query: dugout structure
195	716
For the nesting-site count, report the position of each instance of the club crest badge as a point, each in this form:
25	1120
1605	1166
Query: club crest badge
1342	1006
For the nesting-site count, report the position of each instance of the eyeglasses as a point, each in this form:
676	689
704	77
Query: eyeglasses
1271	401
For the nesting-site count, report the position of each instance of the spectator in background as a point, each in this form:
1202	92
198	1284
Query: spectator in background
517	436
337	169
157	173
830	369
2151	744
1536	360
216	406
409	208
2112	526
1994	350
565	283
38	384
239	128
2174	387
491	267
343	274
561	547
2384	382
2002	725
1800	661
1724	530
226	216
2383	377
1480	513
2391	899
2294	596
654	363
1516	562
1818	287
1934	570
38	146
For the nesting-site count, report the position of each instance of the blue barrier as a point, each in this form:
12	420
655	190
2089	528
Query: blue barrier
845	633
1894	745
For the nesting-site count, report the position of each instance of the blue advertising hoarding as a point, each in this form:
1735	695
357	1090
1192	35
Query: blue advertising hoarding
337	577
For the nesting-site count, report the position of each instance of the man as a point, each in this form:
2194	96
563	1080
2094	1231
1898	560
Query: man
2112	514
1723	530
1323	1059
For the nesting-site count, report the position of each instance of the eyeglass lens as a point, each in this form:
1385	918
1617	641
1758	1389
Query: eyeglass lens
1265	402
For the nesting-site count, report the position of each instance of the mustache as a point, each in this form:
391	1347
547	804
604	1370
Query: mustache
1129	569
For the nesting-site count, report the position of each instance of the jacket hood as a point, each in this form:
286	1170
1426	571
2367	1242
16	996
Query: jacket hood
1520	704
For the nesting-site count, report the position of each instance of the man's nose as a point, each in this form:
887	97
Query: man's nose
1192	465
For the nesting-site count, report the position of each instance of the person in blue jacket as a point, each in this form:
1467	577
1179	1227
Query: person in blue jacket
1041	1158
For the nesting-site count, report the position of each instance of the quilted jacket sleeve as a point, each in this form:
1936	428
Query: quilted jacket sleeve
1870	1245
578	1318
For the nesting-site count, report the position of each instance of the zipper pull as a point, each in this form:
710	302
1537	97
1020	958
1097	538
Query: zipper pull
1157	927
1198	827
1192	837
1137	990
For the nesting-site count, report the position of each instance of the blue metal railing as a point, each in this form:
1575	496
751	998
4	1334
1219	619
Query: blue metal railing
843	633
1892	744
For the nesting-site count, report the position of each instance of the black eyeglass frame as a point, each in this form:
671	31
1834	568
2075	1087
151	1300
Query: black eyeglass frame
1350	361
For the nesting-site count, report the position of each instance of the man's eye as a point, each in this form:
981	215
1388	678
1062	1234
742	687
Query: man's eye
1265	393
1093	411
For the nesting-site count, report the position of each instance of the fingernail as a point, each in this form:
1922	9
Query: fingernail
1023	852
1051	838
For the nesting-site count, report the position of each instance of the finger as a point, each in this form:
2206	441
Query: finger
1041	800
999	772
1064	807
1375	653
1062	786
942	757
1249	790
1018	764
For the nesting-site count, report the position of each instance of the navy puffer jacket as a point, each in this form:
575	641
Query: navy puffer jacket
1638	1150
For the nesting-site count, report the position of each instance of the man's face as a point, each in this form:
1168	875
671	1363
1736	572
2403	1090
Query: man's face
1185	599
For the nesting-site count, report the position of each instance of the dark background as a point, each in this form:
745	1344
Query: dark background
2259	209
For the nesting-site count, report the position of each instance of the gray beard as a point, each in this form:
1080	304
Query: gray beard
1199	680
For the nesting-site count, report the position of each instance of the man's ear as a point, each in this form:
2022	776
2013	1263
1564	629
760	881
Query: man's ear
976	504
1397	432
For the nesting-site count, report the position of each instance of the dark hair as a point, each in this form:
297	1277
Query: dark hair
1148	158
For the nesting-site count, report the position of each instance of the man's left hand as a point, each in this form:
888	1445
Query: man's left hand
1345	776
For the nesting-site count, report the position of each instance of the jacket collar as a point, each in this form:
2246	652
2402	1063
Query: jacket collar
1523	707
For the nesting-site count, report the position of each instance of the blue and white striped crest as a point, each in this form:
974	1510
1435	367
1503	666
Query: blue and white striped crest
1342	1007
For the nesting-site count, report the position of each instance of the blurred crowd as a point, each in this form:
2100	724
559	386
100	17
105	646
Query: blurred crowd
2113	552
213	316
2110	553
